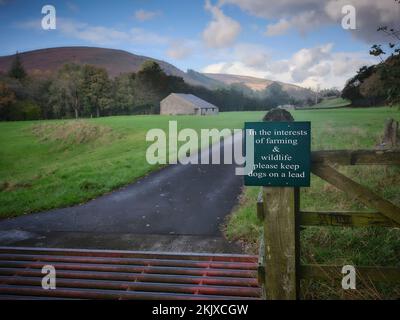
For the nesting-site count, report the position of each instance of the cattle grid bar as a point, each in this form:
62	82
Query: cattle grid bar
121	275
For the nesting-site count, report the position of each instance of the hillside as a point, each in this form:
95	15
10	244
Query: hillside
376	84
259	84
46	61
114	61
206	81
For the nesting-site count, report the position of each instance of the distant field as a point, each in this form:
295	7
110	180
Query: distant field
52	164
337	129
331	103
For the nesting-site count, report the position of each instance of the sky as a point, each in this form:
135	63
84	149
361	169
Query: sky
296	41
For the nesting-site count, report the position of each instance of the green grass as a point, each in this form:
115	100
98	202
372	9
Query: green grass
332	103
337	129
42	168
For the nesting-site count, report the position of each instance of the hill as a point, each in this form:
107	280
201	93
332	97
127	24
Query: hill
259	84
46	61
206	81
114	61
375	85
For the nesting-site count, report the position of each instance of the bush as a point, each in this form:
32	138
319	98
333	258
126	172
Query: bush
24	110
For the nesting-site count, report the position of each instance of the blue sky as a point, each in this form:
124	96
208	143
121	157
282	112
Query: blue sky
296	41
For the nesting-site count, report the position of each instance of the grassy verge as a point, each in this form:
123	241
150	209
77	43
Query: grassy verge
337	129
52	164
331	103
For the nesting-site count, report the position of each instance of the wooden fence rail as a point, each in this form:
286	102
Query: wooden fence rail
279	210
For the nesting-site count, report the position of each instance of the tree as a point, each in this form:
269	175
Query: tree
352	89
389	70
124	93
151	86
379	83
275	95
7	98
17	70
66	90
96	90
37	90
330	93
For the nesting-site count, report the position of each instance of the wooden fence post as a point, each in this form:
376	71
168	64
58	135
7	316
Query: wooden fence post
390	138
281	243
281	234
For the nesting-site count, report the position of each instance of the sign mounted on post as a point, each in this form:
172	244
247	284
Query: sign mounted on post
282	154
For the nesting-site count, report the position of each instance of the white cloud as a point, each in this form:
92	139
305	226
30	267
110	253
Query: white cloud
236	67
222	31
302	23
144	15
142	36
306	61
95	34
179	50
308	67
98	35
278	28
308	15
101	35
252	55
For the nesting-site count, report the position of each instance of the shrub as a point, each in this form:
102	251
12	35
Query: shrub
24	110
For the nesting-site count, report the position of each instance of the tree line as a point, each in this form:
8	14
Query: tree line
378	84
76	91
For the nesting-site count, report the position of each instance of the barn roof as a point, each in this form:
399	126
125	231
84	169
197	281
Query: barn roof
199	103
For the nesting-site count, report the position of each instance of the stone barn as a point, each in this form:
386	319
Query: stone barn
186	104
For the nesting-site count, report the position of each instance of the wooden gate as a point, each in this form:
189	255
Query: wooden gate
280	271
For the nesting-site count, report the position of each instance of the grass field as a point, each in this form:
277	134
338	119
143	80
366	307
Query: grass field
337	129
51	164
331	103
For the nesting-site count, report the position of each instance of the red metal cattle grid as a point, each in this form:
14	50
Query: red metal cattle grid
122	275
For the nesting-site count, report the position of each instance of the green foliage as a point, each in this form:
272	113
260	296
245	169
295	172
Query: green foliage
96	90
87	91
352	90
330	93
65	91
72	161
381	82
17	70
7	96
331	103
24	110
376	50
390	75
124	93
276	96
